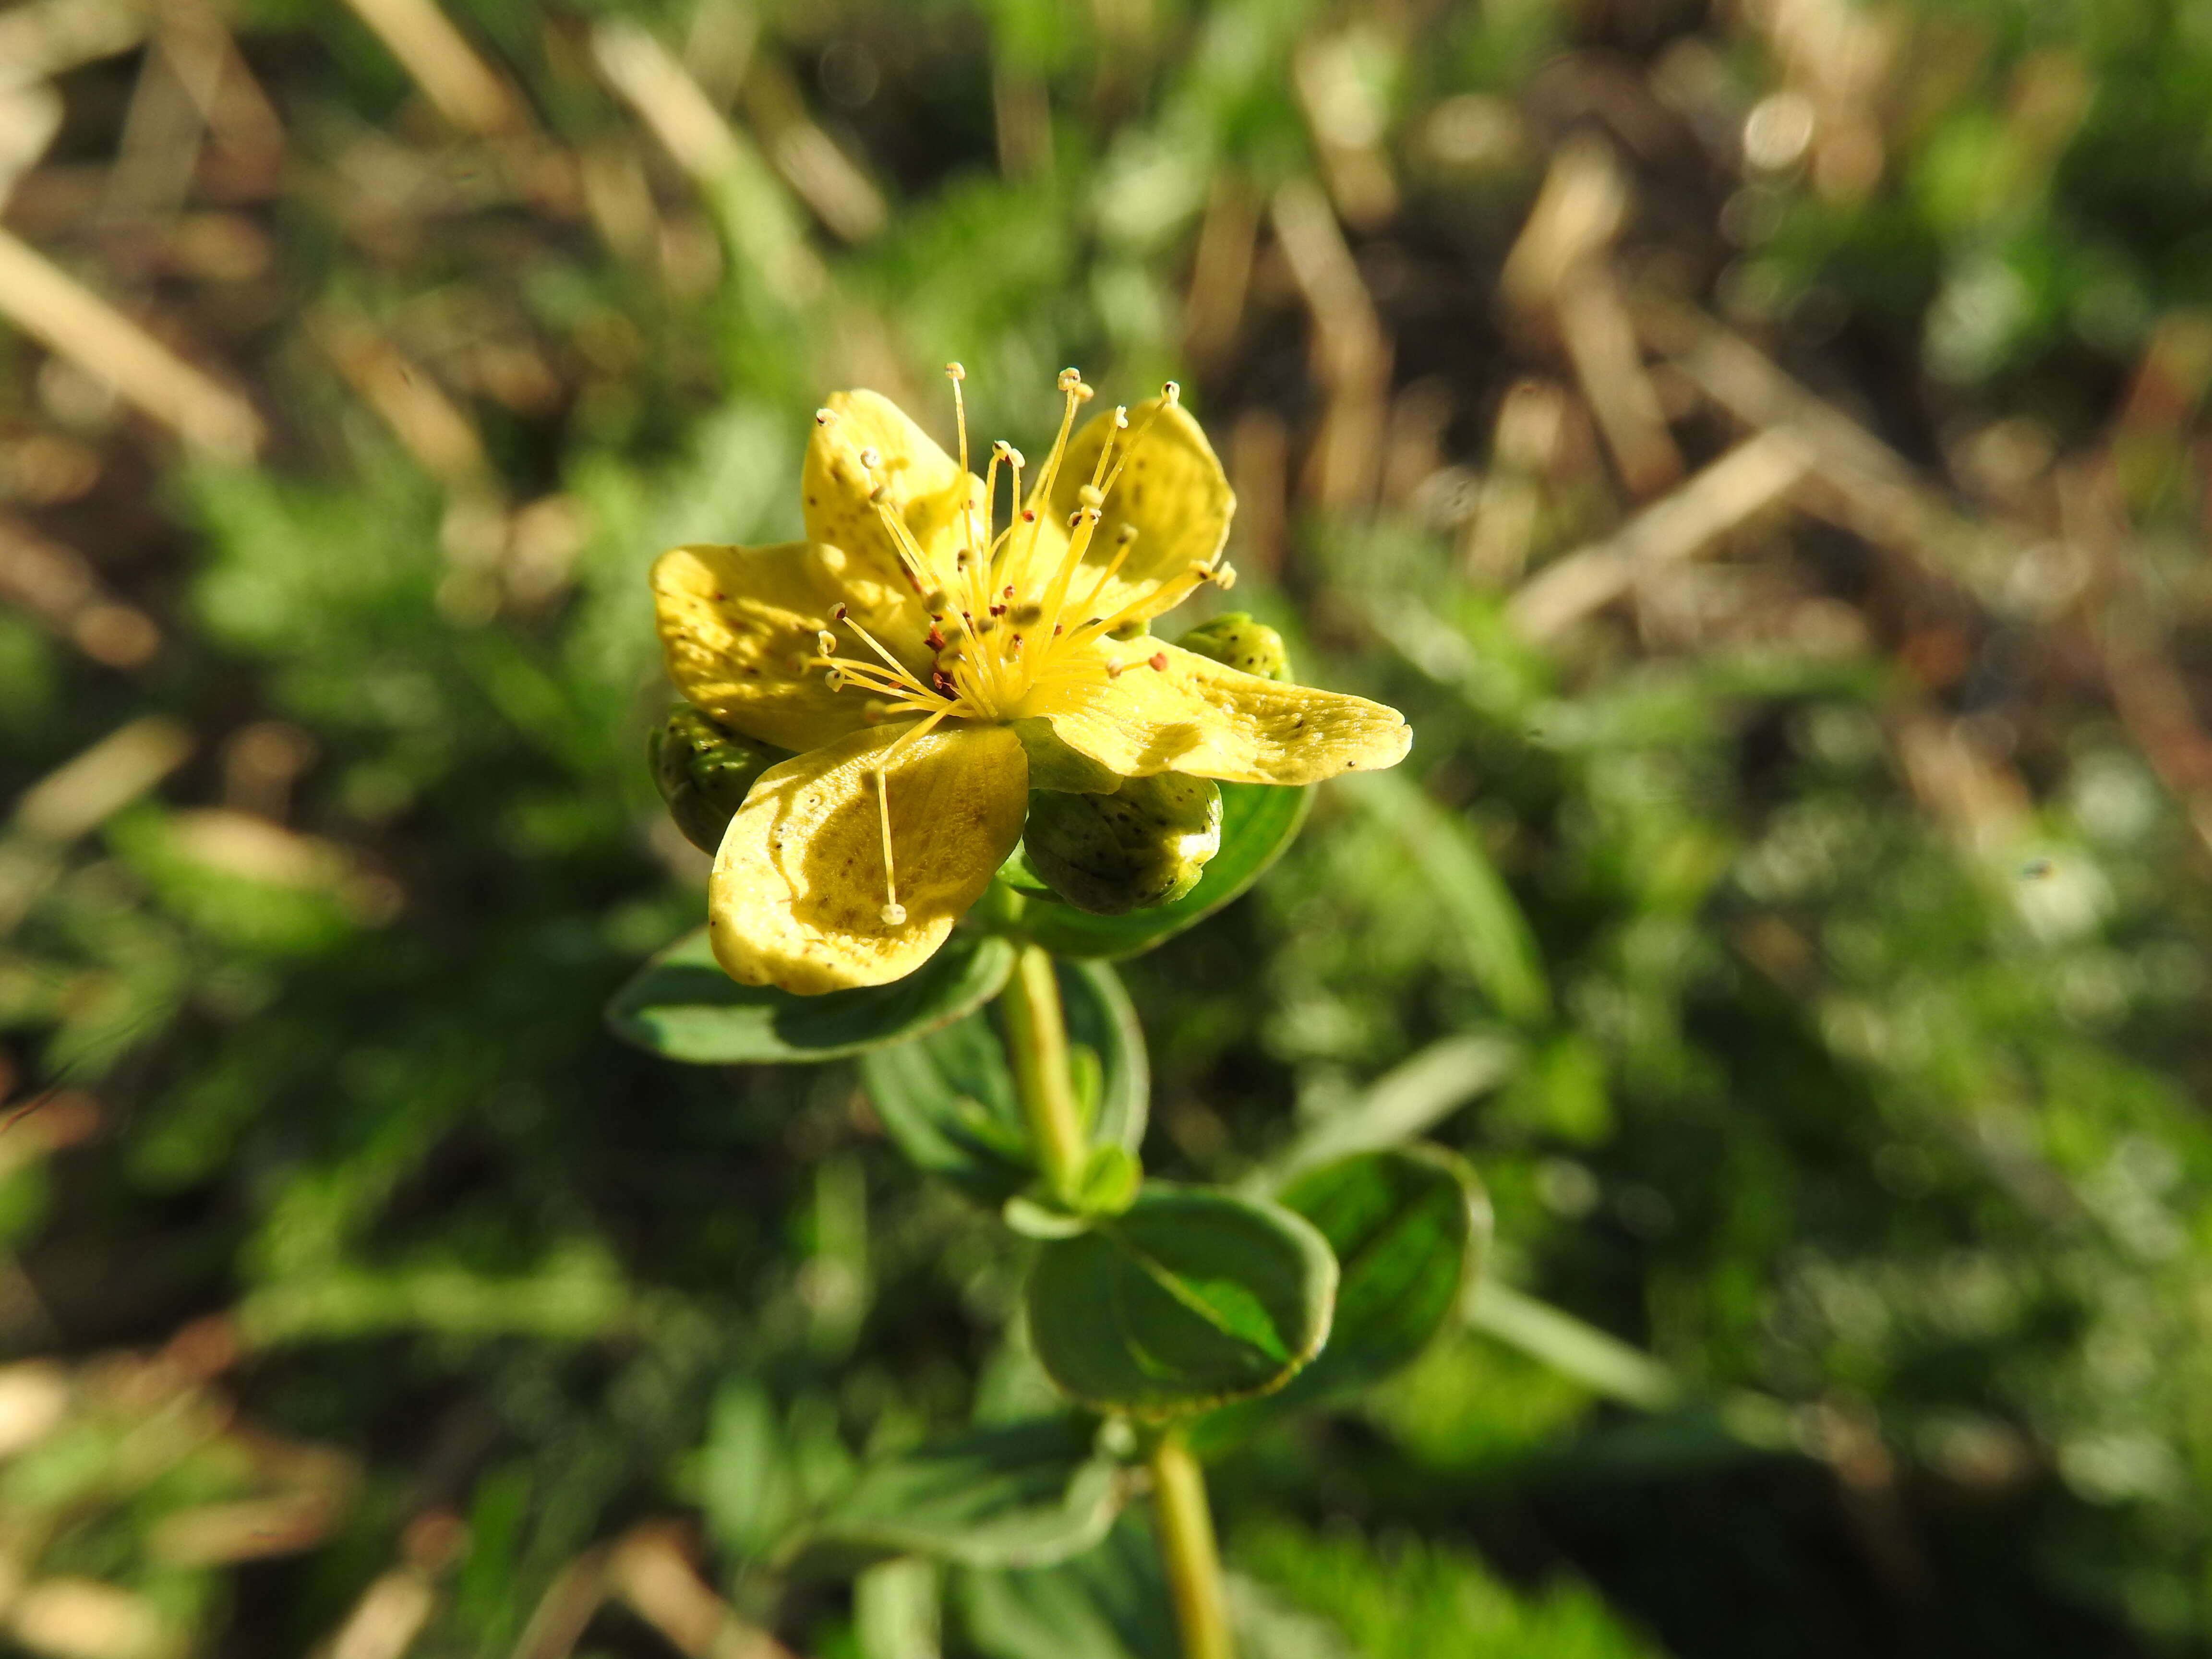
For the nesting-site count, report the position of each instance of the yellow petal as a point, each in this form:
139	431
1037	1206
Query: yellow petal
924	487
797	893
1171	489
1198	716
737	627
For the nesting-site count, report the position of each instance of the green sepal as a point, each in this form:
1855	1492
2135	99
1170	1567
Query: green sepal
682	1005
703	772
1142	845
1054	765
1009	1495
1189	1299
951	1104
1258	821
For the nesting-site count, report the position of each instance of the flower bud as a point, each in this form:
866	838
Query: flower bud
1145	844
1234	639
704	772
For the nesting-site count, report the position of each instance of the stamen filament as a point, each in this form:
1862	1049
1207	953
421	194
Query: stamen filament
893	913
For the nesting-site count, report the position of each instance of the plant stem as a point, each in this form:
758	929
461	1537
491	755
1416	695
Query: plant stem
1037	1035
1187	1549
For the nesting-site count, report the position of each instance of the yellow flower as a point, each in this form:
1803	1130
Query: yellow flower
931	666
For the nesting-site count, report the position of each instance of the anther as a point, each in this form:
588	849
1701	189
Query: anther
1091	495
879	495
1224	577
828	641
1028	516
1159	661
1026	614
1170	393
1125	534
934	601
954	372
1120	417
824	417
872	458
838	611
1070	378
894	916
834	679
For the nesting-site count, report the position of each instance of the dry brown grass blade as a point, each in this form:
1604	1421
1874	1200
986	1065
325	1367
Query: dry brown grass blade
1347	119
79	795
843	197
1221	269
1600	337
1559	273
652	1575
467	91
568	1607
429	425
1871	489
67	317
718	158
1351	355
57	585
1746	480
1259	472
51	37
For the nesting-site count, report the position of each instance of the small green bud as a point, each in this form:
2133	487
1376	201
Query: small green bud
1145	844
1234	639
704	772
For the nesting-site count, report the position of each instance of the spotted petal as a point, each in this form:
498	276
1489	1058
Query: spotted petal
737	627
1170	489
922	484
797	896
1195	715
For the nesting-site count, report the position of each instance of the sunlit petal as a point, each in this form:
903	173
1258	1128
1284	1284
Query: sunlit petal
1171	490
797	895
737	627
1195	715
922	486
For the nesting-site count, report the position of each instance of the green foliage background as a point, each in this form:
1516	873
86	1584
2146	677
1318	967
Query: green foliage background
1865	1113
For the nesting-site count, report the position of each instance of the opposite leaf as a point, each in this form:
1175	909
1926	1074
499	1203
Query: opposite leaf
1189	1299
682	1006
1407	1227
949	1100
1012	1495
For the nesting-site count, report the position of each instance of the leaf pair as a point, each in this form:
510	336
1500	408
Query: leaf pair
1194	1298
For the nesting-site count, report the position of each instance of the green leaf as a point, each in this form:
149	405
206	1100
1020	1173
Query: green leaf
1017	1494
1257	823
1108	1603
1189	1298
949	1100
682	1006
1494	936
1408	1227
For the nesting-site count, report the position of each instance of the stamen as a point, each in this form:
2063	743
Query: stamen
955	373
893	913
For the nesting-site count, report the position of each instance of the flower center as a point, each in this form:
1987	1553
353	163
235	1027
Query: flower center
1006	630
